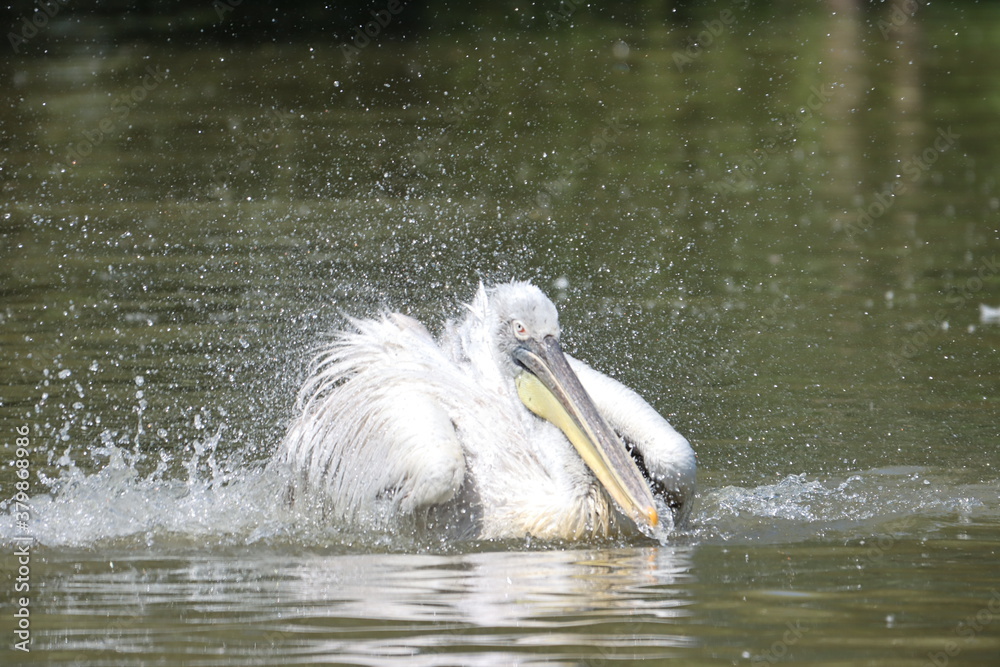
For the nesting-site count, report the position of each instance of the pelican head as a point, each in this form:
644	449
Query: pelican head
526	336
521	313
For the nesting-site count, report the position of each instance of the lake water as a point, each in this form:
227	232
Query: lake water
780	226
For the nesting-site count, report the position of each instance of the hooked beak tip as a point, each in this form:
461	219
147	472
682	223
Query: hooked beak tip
551	390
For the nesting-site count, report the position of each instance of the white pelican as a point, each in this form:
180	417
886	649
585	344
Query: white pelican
488	432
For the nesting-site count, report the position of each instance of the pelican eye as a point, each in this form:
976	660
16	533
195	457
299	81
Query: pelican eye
520	331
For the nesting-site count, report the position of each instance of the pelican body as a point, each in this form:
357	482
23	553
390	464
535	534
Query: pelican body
490	431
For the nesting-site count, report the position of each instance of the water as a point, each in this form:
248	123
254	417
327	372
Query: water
781	234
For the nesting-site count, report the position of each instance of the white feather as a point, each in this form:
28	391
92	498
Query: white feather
394	424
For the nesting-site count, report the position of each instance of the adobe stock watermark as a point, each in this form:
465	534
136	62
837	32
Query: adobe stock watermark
728	359
913	170
49	353
966	630
957	297
23	540
45	12
250	145
880	545
364	34
564	12
616	649
714	29
899	15
745	167
610	131
456	115
223	7
120	110
779	648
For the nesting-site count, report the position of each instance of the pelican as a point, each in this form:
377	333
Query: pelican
490	431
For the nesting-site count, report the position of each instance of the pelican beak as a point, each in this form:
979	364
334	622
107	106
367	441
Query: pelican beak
552	391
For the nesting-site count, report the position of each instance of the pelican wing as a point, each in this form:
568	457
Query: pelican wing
663	453
372	439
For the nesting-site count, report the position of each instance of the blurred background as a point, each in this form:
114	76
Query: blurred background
778	221
792	201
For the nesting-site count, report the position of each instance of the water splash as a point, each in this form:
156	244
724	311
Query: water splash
898	500
138	500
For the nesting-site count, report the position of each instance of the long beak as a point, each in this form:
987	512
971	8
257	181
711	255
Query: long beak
553	392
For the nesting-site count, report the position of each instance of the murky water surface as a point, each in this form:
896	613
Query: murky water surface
780	227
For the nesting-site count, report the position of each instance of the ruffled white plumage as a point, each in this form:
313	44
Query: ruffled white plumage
394	424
